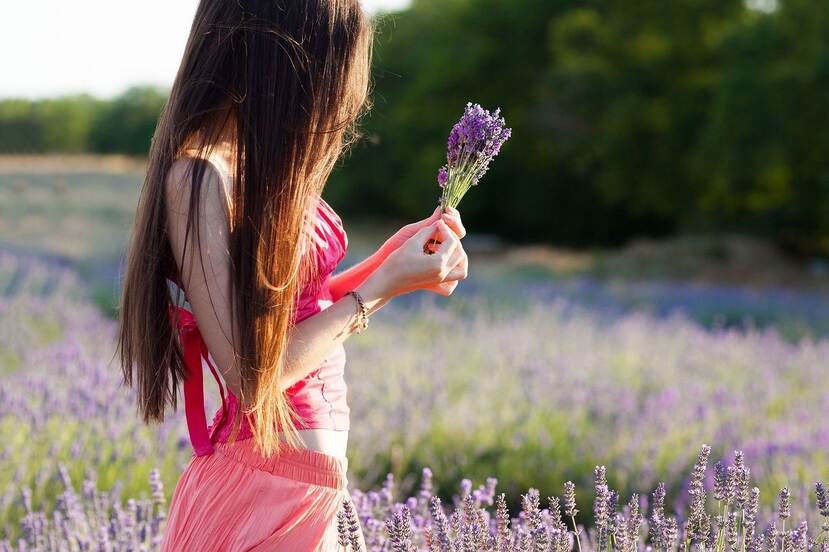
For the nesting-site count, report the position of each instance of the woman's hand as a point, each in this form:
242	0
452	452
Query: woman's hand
451	217
409	268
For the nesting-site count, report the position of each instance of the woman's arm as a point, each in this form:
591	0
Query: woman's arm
314	338
403	270
204	260
355	275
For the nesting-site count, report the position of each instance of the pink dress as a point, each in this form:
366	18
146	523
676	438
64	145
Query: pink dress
230	497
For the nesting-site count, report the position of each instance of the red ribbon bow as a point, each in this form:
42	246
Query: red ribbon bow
194	349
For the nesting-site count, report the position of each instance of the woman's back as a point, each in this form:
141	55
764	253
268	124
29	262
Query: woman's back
284	501
320	398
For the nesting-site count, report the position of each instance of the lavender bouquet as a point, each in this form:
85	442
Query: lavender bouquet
472	144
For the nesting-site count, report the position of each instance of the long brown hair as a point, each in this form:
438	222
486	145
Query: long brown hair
290	78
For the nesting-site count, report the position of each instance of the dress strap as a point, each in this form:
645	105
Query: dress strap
194	349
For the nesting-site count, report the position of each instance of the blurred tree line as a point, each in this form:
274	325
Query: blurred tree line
81	123
629	117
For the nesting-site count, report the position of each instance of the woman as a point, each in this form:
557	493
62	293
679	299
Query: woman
265	101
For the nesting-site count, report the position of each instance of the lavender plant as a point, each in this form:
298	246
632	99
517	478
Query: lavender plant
91	519
473	142
420	523
551	381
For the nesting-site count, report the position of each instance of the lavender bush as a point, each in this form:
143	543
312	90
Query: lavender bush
554	390
62	404
723	516
557	390
92	519
30	275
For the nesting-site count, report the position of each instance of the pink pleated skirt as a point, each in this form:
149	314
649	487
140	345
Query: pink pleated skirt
237	500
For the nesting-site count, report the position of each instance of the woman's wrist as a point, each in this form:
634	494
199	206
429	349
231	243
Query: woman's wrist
375	290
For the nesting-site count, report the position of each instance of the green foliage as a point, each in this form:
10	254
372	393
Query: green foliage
126	124
629	118
54	125
81	123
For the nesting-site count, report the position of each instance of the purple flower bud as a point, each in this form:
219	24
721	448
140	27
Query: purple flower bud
822	500
443	176
784	510
570	499
466	487
720	481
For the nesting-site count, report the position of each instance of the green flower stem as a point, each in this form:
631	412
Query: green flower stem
742	528
721	532
576	532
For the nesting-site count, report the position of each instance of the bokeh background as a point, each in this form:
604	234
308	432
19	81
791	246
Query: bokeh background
649	254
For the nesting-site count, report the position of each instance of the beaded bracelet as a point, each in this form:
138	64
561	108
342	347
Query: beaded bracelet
361	310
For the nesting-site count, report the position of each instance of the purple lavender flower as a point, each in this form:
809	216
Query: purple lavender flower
731	534
354	531
601	506
441	527
466	487
554	508
800	536
83	518
503	534
443	176
657	521
822	499
784	510
699	522
342	526
530	503
741	479
570	499
473	142
769	537
750	522
670	533
400	531
786	542
720	481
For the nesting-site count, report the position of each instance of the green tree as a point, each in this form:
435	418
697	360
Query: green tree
126	124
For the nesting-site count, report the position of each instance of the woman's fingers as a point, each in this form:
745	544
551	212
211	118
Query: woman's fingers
443	288
444	233
408	269
447	248
460	270
454	262
415	226
448	285
429	237
446	288
432	218
453	219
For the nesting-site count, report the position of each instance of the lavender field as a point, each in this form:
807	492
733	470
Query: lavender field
534	395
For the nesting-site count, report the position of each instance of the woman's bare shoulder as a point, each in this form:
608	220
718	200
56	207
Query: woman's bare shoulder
214	186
